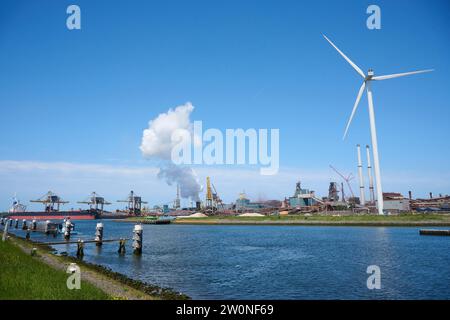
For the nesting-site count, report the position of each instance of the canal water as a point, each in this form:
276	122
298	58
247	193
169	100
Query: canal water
275	262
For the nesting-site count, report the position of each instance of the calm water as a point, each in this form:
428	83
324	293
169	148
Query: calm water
277	262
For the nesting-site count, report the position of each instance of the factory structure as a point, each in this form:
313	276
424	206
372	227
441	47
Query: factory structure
340	199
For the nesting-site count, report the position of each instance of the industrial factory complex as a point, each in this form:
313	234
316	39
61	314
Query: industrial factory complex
340	200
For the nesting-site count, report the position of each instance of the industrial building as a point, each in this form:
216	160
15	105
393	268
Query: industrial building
244	204
302	197
432	204
396	202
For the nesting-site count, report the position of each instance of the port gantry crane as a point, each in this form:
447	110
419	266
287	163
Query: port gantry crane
209	197
134	204
51	201
218	202
95	202
213	201
346	179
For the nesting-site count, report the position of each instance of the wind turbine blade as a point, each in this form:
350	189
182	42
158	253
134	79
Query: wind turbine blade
346	58
397	75
358	98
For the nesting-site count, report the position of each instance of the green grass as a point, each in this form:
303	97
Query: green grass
25	277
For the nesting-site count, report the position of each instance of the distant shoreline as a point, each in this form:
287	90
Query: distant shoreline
401	220
315	223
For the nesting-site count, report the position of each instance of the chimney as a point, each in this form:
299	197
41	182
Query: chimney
361	178
369	169
431	195
410	195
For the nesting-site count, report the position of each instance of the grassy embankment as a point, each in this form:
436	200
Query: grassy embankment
43	276
363	220
25	277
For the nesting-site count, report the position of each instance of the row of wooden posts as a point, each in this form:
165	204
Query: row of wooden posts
68	227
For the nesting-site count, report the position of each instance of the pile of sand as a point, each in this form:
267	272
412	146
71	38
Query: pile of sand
194	215
251	214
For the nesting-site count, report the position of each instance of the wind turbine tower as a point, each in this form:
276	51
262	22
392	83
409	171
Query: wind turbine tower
367	85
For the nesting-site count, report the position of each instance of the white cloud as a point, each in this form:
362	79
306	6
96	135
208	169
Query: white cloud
68	167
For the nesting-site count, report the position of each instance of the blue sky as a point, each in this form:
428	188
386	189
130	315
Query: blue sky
80	99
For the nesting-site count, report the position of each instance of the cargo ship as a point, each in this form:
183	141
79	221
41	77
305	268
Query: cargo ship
52	210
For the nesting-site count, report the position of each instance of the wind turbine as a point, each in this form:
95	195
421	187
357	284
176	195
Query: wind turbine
373	132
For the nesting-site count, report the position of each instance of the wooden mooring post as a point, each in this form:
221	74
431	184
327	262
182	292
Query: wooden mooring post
5	231
98	240
137	239
67	229
99	234
121	246
80	248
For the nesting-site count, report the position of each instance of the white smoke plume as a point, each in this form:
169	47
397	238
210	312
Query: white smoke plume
157	144
185	177
157	139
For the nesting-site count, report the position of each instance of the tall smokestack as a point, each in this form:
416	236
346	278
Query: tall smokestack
431	195
361	177
410	195
178	200
369	170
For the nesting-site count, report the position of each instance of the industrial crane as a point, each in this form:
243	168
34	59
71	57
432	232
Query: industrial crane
213	201
134	204
346	179
50	201
209	196
95	202
216	198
